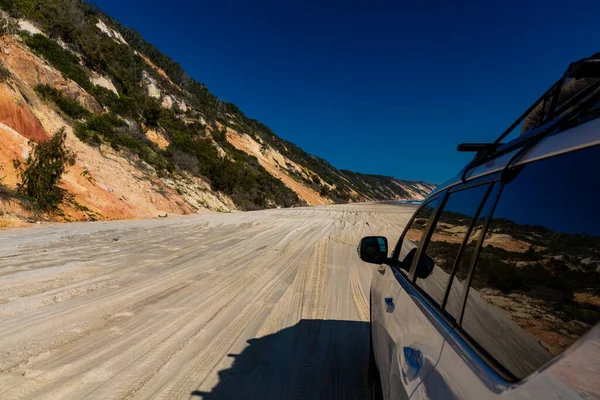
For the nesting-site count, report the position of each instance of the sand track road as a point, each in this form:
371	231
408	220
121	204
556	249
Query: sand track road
269	304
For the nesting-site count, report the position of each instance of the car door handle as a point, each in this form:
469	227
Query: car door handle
411	362
381	269
389	304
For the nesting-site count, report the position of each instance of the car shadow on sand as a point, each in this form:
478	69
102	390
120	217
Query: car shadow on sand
314	359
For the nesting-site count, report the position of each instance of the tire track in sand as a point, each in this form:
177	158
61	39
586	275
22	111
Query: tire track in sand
273	286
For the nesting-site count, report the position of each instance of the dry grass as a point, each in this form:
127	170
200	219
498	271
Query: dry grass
7	222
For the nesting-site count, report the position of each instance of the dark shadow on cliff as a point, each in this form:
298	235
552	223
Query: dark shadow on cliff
314	359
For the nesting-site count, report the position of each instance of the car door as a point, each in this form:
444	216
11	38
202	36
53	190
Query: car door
416	327
388	288
384	285
529	293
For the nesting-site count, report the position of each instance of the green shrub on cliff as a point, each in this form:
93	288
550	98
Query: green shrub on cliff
70	107
41	172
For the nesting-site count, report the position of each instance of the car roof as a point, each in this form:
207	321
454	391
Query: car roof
579	137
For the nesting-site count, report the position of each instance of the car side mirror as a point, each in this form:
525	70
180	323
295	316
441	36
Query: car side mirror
425	267
373	249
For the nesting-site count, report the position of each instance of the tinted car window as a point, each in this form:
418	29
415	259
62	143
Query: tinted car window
536	284
454	302
414	233
447	236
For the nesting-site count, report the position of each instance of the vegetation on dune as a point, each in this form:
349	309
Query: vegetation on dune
238	175
70	107
380	187
63	60
109	128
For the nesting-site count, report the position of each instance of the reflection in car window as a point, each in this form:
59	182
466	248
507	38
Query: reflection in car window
447	237
536	284
454	302
567	99
571	95
413	235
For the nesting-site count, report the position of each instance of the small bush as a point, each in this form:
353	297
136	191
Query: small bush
7	27
122	105
185	161
4	73
42	171
99	127
152	111
70	107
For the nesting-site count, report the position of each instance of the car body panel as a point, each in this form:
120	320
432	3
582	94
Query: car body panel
571	375
424	334
383	285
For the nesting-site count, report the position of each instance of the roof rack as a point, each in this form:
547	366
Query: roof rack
585	68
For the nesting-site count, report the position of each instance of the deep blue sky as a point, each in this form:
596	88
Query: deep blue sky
376	87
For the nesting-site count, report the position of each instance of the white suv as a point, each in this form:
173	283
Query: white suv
493	289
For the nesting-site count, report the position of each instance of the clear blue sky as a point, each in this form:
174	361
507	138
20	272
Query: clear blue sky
376	87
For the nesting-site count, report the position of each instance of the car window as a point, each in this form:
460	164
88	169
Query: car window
414	233
453	304
536	285
447	236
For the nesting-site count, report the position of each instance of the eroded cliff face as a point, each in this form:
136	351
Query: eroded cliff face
33	71
106	183
16	114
